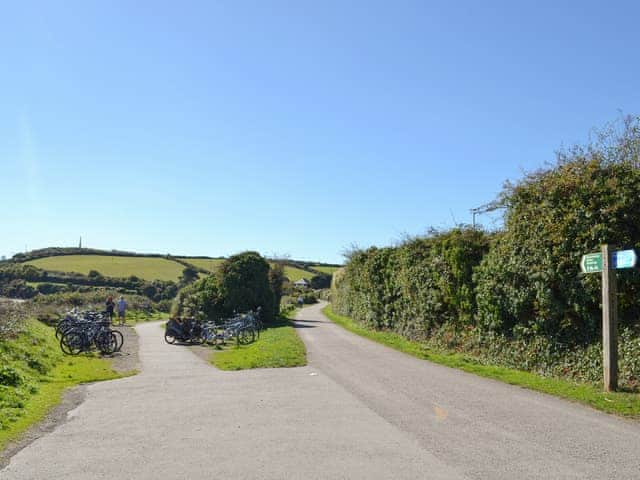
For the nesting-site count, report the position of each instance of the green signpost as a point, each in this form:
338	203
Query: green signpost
608	262
591	263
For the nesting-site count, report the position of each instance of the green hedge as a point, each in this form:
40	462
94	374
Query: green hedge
415	287
530	282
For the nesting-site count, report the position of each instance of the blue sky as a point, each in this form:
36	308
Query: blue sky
296	127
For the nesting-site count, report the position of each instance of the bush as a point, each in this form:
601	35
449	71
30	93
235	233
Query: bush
244	284
415	287
9	376
241	283
530	281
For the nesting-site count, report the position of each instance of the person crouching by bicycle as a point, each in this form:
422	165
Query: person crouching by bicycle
122	308
109	306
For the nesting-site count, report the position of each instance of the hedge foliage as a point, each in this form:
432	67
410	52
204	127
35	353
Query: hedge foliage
519	291
530	281
414	287
243	282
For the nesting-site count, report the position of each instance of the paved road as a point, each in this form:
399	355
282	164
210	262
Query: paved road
183	419
359	410
483	428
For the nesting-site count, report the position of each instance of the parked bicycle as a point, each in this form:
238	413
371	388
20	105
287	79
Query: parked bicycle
81	331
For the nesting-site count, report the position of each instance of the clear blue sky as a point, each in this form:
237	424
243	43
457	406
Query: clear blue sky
295	127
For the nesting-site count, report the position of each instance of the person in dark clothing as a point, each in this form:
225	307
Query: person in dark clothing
110	306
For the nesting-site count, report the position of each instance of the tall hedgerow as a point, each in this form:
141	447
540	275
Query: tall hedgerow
414	287
530	282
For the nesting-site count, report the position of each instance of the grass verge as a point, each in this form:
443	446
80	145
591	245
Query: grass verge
33	375
278	346
619	403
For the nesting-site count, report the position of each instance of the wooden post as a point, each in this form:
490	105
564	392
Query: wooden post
609	321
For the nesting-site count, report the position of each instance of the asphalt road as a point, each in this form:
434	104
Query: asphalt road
483	428
359	410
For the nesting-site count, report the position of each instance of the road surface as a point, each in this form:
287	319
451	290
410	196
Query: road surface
359	410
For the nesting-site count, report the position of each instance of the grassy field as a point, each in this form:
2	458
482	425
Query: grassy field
324	269
33	375
278	346
294	274
620	403
209	264
147	268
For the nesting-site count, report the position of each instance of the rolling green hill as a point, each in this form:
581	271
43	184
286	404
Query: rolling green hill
209	264
113	266
325	269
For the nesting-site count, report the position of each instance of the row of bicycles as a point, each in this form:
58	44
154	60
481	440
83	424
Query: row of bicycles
82	331
243	328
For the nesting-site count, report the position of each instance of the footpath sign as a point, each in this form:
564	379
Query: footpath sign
608	262
592	262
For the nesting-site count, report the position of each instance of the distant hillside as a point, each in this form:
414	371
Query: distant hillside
147	268
123	264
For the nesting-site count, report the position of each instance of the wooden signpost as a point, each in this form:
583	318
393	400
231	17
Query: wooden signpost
607	262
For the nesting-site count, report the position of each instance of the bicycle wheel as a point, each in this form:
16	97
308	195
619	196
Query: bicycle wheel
72	343
106	342
119	339
199	339
246	336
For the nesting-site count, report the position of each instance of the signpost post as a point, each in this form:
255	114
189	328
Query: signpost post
608	262
609	321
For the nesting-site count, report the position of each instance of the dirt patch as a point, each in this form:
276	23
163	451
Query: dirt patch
125	361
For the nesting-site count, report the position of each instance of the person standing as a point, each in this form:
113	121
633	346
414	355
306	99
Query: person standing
122	308
109	306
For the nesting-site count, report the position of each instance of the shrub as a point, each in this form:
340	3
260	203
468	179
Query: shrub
244	284
9	376
530	281
414	287
276	282
241	283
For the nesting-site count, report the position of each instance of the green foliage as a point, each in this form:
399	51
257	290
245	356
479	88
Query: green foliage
244	284
320	281
415	287
530	281
189	274
276	282
241	283
13	278
201	298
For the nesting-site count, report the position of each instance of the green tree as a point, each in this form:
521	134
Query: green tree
244	284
